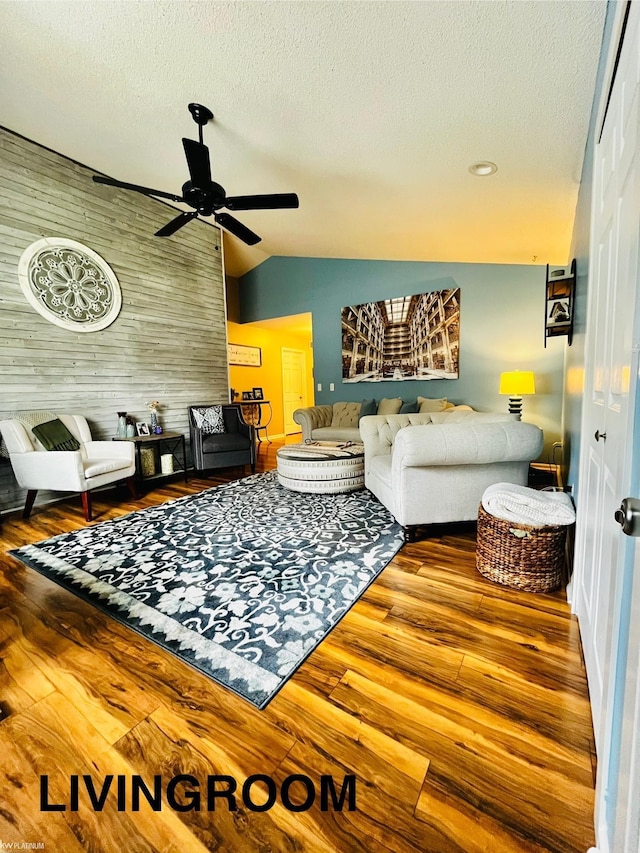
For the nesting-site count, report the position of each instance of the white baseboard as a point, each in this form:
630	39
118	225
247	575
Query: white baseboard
602	835
266	440
282	436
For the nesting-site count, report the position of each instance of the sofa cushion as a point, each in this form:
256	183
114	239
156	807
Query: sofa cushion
336	434
209	419
461	408
368	407
427	404
345	414
103	466
389	406
410	407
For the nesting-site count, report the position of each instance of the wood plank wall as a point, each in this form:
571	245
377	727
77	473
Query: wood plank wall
169	340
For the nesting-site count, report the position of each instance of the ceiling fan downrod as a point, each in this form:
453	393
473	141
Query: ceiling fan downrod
201	115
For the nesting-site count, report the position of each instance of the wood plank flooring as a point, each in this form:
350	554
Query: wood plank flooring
460	706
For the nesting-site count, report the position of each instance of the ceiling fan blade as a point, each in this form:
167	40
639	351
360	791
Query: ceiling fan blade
237	228
198	161
171	227
275	201
111	182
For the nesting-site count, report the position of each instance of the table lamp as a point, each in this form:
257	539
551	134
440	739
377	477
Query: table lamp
516	383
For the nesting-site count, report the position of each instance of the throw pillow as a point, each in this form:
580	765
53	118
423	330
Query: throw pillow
345	414
209	419
54	435
389	406
427	404
368	407
409	408
459	416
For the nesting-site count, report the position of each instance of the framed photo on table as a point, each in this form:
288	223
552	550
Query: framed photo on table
247	395
257	394
142	429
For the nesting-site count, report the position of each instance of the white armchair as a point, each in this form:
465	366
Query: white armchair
95	464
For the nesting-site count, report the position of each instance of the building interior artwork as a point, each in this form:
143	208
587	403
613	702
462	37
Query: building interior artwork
408	337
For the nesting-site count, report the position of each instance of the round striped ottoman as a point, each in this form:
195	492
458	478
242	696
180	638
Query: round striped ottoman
322	467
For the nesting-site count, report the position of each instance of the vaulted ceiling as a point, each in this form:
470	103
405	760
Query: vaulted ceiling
371	111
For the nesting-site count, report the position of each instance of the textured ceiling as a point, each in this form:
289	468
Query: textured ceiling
370	111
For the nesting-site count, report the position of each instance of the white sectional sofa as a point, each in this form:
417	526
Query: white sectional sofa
433	468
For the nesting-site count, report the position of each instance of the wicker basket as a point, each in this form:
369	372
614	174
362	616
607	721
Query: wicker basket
520	556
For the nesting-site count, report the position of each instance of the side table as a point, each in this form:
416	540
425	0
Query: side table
542	475
166	442
253	414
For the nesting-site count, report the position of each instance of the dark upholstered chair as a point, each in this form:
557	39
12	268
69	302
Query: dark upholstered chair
236	446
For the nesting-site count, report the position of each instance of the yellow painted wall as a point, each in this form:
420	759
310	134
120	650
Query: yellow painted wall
269	375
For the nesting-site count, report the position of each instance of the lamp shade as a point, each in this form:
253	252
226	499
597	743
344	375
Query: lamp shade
515	383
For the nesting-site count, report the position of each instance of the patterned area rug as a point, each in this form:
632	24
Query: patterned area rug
241	581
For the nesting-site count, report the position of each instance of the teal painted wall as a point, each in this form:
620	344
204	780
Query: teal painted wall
501	326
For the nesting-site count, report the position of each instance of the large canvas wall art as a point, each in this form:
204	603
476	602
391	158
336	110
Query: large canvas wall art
407	337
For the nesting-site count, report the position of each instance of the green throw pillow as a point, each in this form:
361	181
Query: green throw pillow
409	408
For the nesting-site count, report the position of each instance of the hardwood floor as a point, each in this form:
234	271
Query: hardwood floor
460	706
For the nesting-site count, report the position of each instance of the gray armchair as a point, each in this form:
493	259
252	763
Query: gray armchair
235	446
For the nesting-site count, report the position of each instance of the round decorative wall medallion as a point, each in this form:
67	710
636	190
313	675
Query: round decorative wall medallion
69	284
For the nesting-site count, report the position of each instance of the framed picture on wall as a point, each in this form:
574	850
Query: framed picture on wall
558	311
403	337
244	356
257	394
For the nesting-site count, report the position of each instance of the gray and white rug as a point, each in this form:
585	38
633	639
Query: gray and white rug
241	581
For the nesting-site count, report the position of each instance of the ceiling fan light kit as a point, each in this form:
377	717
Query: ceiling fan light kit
204	195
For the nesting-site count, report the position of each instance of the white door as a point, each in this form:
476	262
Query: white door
294	386
603	597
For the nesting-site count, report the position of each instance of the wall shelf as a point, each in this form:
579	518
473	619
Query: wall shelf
560	289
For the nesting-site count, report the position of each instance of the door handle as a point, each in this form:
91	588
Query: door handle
628	516
600	435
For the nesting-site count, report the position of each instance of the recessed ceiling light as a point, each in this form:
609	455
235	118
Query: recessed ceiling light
483	168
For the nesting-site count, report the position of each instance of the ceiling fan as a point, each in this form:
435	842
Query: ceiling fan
205	195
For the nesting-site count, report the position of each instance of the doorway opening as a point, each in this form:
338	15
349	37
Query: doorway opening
277	375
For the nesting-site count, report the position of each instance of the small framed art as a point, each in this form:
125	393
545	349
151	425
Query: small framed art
244	356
